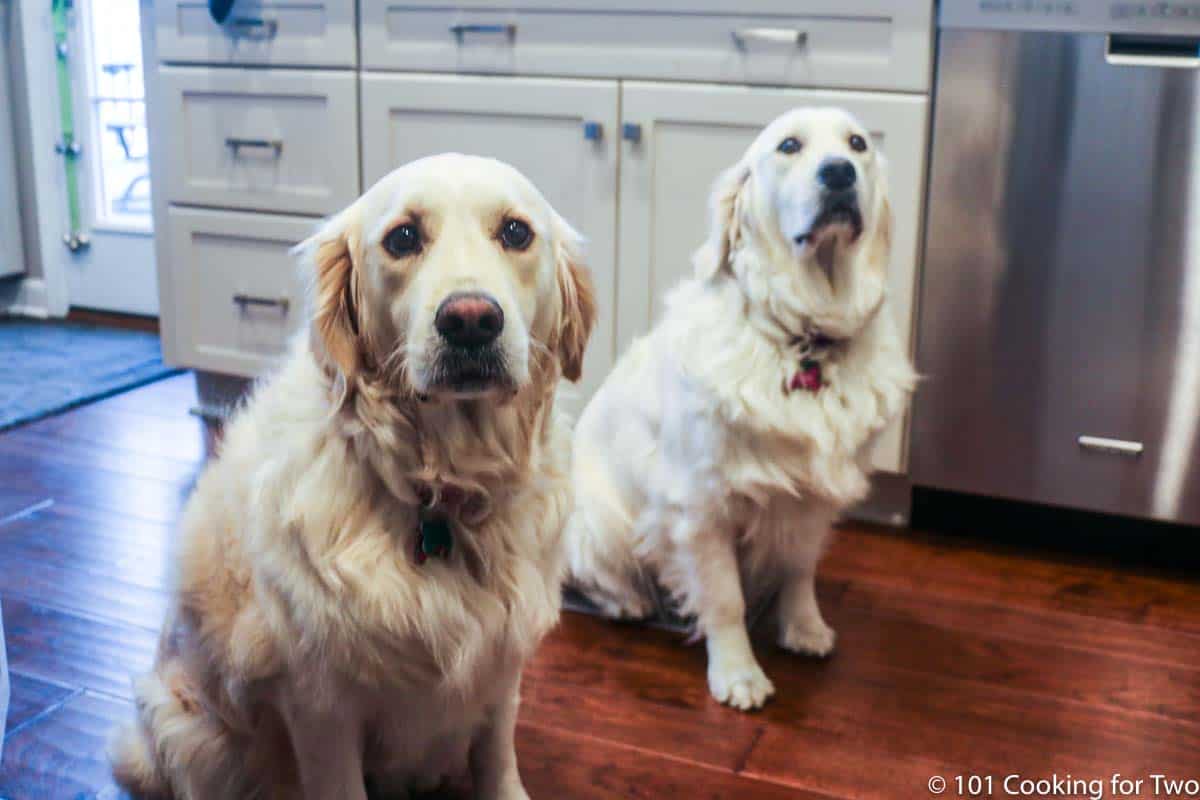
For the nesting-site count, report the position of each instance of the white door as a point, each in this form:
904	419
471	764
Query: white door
12	259
688	134
537	125
116	271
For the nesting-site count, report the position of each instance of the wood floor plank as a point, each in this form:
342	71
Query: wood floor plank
634	685
15	500
875	639
171	398
84	455
152	499
61	756
1151	645
179	437
595	769
946	569
31	697
74	650
882	732
98	544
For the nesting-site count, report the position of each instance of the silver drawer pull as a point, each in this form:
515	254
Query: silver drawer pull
1131	50
254	27
1118	447
242	301
790	36
235	144
509	30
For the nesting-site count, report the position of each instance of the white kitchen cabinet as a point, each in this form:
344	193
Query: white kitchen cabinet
239	293
689	134
265	140
621	112
313	33
562	134
878	44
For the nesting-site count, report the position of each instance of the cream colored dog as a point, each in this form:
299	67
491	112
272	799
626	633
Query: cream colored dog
377	549
715	457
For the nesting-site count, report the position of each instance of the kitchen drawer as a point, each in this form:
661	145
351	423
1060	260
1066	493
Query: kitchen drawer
310	33
238	292
267	140
881	44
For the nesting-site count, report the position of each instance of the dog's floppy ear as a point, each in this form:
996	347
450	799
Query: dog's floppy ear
578	300
336	324
725	224
879	249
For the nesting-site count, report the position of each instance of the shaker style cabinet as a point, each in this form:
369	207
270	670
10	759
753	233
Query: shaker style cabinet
687	134
560	133
622	113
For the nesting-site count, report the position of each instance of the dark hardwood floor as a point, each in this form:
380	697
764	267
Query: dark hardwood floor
954	658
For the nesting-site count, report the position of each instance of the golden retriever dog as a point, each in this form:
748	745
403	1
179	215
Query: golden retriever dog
717	454
377	550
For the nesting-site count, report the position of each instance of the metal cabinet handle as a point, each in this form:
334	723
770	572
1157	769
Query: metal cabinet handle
1118	447
235	144
792	36
593	131
461	30
631	132
254	27
244	300
1131	50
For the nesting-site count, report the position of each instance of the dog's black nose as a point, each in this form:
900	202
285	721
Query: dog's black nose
469	319
837	174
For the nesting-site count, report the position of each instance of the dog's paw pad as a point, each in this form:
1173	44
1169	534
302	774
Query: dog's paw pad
746	688
809	640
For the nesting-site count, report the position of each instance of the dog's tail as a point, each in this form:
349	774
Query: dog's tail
133	764
175	750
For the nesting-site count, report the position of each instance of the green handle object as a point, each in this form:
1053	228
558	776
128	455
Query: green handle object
68	148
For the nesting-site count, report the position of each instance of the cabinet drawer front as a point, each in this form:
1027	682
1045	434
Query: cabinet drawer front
309	33
690	134
264	140
238	291
883	44
561	134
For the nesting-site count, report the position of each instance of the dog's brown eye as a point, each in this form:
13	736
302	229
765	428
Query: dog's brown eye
515	234
402	240
789	146
858	144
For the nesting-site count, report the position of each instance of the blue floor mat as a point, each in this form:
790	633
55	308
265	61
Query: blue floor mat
47	367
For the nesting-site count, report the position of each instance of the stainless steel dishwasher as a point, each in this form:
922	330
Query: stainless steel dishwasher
1060	300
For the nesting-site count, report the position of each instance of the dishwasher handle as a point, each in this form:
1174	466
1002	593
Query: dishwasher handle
1140	50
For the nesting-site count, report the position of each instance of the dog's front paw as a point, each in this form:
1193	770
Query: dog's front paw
813	638
512	790
745	687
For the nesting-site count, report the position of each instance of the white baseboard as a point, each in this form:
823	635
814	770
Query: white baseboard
25	298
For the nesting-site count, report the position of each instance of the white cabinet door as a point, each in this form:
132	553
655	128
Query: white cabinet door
538	126
689	134
238	292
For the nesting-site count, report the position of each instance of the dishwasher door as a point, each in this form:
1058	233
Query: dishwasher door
1060	301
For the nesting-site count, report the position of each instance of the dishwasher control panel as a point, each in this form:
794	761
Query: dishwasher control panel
1151	17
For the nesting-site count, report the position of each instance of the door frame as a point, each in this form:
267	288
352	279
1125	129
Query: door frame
44	291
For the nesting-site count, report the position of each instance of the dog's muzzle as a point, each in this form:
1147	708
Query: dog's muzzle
839	211
469	358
